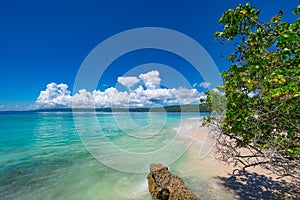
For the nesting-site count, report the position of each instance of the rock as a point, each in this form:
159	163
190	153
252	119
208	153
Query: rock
165	186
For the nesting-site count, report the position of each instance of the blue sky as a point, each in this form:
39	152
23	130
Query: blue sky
46	41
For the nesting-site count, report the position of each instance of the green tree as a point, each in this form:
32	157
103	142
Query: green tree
260	125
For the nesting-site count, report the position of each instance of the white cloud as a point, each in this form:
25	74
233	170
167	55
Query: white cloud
58	95
128	81
218	91
83	99
204	84
13	108
55	95
186	96
151	79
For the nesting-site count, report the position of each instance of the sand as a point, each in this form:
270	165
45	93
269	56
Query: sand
210	178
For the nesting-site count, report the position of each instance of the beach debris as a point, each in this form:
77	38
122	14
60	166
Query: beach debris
165	186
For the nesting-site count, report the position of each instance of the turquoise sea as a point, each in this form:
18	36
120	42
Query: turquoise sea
61	156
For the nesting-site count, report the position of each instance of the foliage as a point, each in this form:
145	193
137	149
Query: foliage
262	90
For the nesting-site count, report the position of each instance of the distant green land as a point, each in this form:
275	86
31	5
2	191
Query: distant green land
173	108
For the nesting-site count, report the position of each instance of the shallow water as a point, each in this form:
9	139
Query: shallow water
45	156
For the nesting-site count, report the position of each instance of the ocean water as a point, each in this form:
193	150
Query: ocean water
87	156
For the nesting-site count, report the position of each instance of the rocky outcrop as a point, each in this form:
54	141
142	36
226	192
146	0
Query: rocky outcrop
164	186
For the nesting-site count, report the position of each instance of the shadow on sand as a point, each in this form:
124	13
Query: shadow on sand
255	186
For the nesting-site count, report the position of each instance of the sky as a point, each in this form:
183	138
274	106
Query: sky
43	44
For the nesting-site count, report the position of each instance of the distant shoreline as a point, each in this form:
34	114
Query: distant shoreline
175	108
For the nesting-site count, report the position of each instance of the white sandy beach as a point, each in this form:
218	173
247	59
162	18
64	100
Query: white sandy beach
210	178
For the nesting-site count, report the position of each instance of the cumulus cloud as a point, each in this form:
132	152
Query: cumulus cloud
218	91
83	99
204	84
151	79
128	81
58	95
55	95
13	108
